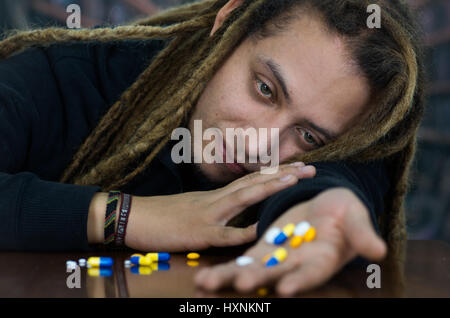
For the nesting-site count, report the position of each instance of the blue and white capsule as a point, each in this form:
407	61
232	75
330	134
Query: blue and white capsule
100	262
158	257
272	234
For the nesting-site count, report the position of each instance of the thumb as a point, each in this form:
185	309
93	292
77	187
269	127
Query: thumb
361	234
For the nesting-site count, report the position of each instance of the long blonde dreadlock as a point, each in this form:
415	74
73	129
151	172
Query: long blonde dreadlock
139	124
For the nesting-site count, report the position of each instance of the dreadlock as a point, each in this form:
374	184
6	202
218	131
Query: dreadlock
140	123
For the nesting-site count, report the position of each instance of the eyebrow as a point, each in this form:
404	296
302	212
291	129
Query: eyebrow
277	72
275	68
329	135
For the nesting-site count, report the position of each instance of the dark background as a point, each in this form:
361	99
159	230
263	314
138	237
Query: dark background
428	203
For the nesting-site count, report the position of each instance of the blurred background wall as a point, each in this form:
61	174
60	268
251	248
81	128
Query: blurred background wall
428	203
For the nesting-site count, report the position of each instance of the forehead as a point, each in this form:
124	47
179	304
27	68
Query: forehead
317	67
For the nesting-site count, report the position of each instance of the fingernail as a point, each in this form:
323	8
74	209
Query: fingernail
298	164
307	169
286	178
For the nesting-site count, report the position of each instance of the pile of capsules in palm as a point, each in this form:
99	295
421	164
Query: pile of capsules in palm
302	232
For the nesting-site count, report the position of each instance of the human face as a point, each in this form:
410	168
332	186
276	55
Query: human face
300	81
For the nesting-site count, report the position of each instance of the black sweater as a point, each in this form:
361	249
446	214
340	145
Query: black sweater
50	101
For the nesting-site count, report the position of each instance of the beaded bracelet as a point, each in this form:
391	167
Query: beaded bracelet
125	206
110	217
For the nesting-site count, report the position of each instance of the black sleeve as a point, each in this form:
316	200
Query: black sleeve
368	181
35	214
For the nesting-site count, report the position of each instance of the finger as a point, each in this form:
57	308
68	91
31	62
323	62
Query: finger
236	202
216	277
362	236
222	236
251	278
299	169
308	275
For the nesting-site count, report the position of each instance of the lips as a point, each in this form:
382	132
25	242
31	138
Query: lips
234	167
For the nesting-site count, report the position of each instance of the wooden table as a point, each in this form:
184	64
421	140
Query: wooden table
425	273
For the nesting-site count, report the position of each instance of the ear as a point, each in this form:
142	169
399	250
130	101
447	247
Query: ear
223	14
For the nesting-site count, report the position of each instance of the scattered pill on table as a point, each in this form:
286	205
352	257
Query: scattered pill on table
71	264
158	257
100	261
82	262
141	260
193	256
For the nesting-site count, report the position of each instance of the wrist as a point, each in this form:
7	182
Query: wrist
96	218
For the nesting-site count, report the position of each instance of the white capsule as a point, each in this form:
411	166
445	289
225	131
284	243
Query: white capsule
71	264
271	234
301	228
244	260
127	263
82	262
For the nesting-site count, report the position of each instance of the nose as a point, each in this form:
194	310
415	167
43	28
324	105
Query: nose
272	131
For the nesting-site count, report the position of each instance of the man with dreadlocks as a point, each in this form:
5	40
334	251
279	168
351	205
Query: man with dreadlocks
345	98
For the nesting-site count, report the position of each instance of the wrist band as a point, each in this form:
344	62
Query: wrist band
125	207
110	217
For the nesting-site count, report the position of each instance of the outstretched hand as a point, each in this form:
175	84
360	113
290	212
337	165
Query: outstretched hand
343	231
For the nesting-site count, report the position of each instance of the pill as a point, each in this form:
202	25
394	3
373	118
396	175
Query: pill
193	256
280	239
140	260
127	263
99	271
272	262
141	270
244	260
280	254
71	264
262	291
310	234
288	229
160	266
137	254
301	228
82	262
158	257
296	241
192	263
100	261
271	234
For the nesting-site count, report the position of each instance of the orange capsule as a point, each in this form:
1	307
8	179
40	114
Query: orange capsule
310	234
296	241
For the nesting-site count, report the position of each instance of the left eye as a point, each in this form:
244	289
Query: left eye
308	138
264	89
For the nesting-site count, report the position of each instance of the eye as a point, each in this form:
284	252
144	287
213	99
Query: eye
308	138
264	89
